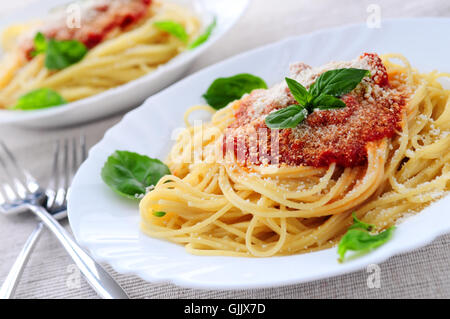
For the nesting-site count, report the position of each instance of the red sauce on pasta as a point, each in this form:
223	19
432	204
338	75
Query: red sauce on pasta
97	23
339	136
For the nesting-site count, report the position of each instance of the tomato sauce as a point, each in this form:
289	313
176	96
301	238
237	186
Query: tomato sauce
373	112
96	24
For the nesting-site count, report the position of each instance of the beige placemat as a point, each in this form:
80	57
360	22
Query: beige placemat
419	274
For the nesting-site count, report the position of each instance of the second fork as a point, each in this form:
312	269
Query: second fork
96	276
58	211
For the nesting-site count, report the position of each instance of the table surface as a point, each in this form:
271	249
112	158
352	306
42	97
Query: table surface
423	273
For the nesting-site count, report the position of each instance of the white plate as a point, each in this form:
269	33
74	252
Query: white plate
108	225
133	93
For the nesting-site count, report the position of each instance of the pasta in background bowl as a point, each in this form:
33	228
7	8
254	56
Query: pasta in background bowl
102	83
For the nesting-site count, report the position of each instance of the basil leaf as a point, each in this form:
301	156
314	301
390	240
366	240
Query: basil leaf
40	44
322	95
59	54
173	28
130	174
204	36
301	95
328	102
39	99
159	214
361	240
338	82
62	54
360	224
225	90
288	117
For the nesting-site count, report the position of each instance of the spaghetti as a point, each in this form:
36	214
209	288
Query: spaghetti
218	205
123	41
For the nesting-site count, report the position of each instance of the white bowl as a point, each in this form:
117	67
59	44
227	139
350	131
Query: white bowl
133	93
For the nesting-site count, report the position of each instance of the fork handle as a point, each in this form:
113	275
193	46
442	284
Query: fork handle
96	276
12	279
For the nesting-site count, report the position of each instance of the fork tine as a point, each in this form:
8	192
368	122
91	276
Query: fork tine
13	188
73	153
83	148
8	177
5	196
66	173
74	159
79	154
63	174
52	189
24	181
2	198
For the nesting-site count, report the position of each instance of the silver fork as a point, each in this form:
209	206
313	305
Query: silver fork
21	193
58	211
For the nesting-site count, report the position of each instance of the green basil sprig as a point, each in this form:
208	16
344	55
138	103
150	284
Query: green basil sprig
159	214
130	174
39	99
204	36
323	95
58	54
359	224
40	44
174	28
287	117
225	90
358	238
178	30
338	82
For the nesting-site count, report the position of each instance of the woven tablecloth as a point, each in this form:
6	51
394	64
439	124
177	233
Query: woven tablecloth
423	273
